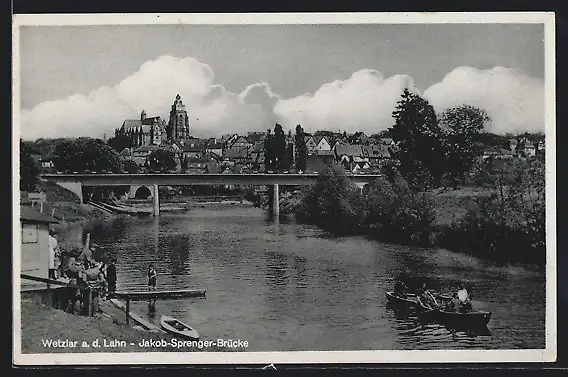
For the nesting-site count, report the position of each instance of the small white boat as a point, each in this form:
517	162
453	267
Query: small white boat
178	328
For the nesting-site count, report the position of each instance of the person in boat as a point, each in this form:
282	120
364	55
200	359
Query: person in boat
400	289
152	278
427	297
464	299
453	304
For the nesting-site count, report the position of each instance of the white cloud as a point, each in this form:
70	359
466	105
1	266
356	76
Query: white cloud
513	100
363	102
212	110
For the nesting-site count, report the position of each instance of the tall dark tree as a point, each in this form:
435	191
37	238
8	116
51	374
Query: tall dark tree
161	161
460	127
290	155
301	149
416	130
269	155
120	142
82	154
279	148
28	168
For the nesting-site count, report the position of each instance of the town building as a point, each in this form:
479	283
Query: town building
238	142
140	154
35	246
46	164
196	165
144	131
214	146
322	144
359	138
311	144
525	148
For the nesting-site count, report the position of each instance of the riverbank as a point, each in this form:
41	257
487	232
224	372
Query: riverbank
67	208
42	325
190	202
453	219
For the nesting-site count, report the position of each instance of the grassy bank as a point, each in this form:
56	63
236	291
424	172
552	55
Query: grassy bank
474	220
41	323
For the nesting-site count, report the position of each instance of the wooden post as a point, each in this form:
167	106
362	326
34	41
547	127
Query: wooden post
49	299
90	302
127	310
276	203
156	201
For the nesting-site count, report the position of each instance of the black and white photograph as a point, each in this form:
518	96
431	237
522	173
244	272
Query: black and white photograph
284	188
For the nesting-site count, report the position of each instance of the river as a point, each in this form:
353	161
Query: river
290	287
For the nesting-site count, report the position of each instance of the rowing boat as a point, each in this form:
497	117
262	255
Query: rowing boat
178	328
456	320
409	300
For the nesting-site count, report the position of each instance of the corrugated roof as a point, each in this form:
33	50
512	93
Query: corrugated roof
28	214
325	153
189	148
348	150
236	153
131	123
215	146
147	148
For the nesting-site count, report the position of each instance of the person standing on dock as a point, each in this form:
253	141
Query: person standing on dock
111	277
152	278
52	259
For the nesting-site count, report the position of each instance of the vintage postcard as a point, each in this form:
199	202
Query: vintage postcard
284	188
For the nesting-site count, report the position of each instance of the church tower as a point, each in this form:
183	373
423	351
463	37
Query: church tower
178	126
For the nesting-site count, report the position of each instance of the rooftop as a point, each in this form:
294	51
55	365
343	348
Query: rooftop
30	215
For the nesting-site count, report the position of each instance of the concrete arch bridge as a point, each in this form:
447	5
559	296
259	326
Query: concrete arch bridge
146	185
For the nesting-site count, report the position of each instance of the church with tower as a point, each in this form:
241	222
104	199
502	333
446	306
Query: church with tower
178	126
153	131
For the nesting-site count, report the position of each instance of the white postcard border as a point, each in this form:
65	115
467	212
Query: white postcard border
306	357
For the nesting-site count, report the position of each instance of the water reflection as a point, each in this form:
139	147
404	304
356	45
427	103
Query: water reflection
179	250
284	287
152	309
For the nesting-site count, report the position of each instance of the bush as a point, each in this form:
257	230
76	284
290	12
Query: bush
509	224
395	213
333	203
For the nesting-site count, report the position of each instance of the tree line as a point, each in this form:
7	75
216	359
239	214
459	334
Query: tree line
281	155
434	150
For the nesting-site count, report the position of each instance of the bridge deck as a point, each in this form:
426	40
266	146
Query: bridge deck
176	179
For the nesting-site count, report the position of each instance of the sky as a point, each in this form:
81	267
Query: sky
86	80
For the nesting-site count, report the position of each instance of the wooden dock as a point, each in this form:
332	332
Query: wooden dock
148	295
152	295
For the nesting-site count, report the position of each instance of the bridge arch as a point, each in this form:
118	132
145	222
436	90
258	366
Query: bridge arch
140	192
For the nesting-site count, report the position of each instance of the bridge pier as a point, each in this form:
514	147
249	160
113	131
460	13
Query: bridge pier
76	187
156	201
276	202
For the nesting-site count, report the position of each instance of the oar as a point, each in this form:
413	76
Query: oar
434	298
